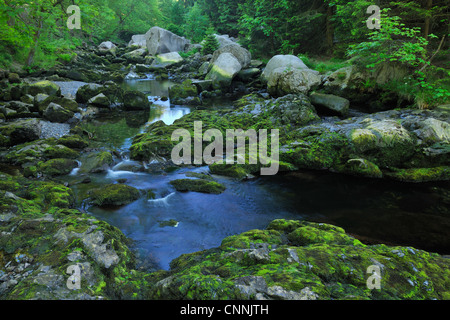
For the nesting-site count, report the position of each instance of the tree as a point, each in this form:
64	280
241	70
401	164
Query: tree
210	43
196	24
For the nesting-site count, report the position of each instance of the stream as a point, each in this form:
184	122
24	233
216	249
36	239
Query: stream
175	223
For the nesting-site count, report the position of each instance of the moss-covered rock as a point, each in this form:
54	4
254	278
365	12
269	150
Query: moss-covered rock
57	167
303	260
73	141
234	171
361	168
114	195
50	194
198	185
60	151
41	239
19	131
45	86
135	100
42	101
96	162
184	94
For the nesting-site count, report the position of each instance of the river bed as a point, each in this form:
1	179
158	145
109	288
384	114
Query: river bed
175	223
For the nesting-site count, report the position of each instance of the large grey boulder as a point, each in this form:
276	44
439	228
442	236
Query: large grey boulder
288	62
285	81
223	70
241	54
138	40
159	40
224	40
285	74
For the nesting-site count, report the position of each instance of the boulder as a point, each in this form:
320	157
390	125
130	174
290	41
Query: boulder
241	54
41	102
223	70
20	131
45	86
57	167
288	62
166	59
184	94
55	113
286	74
385	142
329	103
17	109
224	40
198	185
112	91
96	162
135	100
139	40
159	41
107	47
283	81
100	100
114	195
136	56
346	78
14	78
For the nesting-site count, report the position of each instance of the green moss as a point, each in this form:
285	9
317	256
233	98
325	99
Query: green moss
198	185
307	235
57	167
51	194
44	86
178	93
248	238
60	151
420	174
323	150
114	195
360	168
234	171
327	262
73	142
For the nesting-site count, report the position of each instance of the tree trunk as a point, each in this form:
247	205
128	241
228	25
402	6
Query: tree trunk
427	28
329	30
36	37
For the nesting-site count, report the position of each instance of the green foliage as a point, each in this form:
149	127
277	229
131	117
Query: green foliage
396	44
323	66
197	23
210	44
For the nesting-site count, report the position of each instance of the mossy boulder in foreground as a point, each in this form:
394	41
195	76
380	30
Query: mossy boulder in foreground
304	260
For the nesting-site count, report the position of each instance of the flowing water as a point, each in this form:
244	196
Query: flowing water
173	223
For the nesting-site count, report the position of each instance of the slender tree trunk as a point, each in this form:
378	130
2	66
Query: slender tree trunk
329	29
33	49
427	28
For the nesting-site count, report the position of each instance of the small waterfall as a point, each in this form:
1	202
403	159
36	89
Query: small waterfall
74	171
